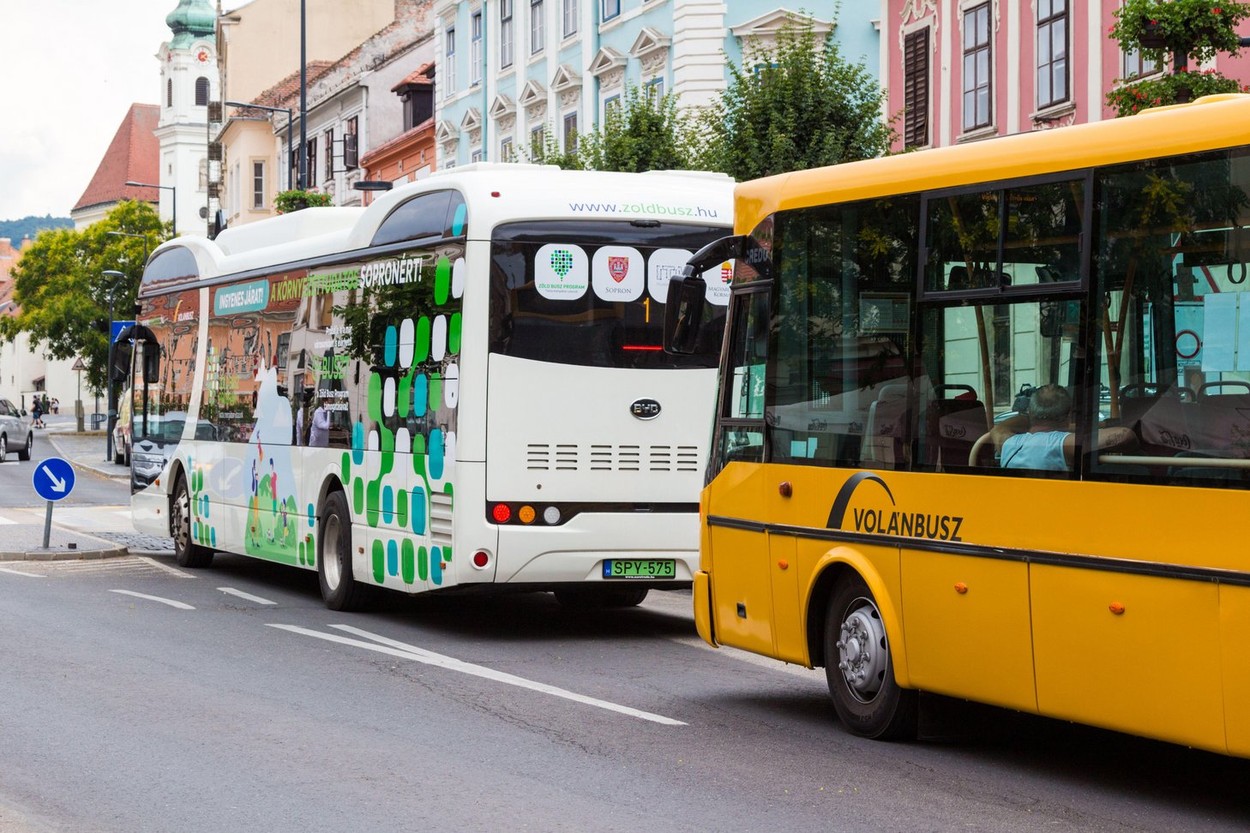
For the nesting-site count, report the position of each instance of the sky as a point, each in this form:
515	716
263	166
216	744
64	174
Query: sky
69	71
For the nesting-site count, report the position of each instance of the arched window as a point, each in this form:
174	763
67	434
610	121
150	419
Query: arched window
201	92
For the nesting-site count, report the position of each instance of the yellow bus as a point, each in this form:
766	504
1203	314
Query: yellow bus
983	427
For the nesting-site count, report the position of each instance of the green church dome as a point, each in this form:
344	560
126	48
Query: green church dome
192	19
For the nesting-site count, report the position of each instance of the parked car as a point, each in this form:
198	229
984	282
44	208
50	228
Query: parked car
121	434
15	431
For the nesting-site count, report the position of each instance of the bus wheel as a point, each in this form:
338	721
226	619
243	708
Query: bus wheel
186	552
600	598
339	588
857	665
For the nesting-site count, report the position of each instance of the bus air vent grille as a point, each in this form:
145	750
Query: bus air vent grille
674	458
608	457
440	519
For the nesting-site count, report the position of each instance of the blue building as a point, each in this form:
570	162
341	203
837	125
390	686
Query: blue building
511	72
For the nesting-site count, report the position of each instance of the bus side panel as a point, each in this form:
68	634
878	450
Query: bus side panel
1151	669
788	634
742	604
967	627
1234	637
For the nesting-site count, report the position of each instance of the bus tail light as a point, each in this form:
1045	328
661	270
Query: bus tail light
516	513
481	559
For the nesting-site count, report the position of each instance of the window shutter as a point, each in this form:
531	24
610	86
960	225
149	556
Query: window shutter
916	89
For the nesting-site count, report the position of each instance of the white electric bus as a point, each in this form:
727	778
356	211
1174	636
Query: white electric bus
460	386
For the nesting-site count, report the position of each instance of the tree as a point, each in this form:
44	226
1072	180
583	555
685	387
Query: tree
798	105
1184	30
643	132
63	294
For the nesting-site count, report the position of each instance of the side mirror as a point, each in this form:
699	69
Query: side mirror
683	312
119	370
687	294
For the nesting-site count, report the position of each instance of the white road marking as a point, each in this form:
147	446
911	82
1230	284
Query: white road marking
247	596
7	521
174	570
21	573
399	649
170	602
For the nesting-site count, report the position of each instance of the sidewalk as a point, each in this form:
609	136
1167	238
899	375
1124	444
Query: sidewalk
21	542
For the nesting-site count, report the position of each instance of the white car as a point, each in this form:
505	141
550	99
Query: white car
15	431
121	435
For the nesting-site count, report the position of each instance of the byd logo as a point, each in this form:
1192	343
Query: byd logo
645	409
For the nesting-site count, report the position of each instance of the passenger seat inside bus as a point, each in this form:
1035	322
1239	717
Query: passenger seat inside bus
952	426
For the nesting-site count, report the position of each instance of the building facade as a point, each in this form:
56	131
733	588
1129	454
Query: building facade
515	73
962	70
355	103
189	82
258	49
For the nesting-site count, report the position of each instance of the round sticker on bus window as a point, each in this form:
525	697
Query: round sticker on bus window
561	272
617	273
665	264
718	279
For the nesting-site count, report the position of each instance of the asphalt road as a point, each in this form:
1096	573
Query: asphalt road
140	697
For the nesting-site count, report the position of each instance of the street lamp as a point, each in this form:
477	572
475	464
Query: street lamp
290	150
173	199
142	237
111	402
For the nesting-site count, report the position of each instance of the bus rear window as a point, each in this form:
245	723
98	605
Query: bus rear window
592	293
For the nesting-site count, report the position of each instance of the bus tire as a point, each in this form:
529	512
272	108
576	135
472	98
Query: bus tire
187	553
867	698
600	598
339	588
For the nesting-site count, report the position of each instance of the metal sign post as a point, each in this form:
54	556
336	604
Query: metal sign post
54	480
78	368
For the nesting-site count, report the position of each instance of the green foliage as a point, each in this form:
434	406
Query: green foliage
1195	29
547	151
295	200
643	132
1170	88
1187	30
17	230
63	294
799	105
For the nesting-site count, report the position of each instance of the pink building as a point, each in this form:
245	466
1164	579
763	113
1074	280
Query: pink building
962	70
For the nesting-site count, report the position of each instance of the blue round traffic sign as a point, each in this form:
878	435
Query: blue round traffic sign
54	478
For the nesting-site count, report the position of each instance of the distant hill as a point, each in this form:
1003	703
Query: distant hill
16	230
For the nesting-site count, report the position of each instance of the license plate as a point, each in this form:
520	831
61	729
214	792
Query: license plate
640	568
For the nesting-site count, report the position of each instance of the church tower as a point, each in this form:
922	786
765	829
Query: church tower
189	81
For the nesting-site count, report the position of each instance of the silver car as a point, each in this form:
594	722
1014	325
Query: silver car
15	431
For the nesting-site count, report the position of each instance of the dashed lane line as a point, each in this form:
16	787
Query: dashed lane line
170	602
391	647
248	596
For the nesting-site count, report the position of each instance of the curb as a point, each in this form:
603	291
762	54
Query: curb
64	554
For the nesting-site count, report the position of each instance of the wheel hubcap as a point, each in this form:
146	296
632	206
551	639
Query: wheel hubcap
863	653
330	556
182	519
